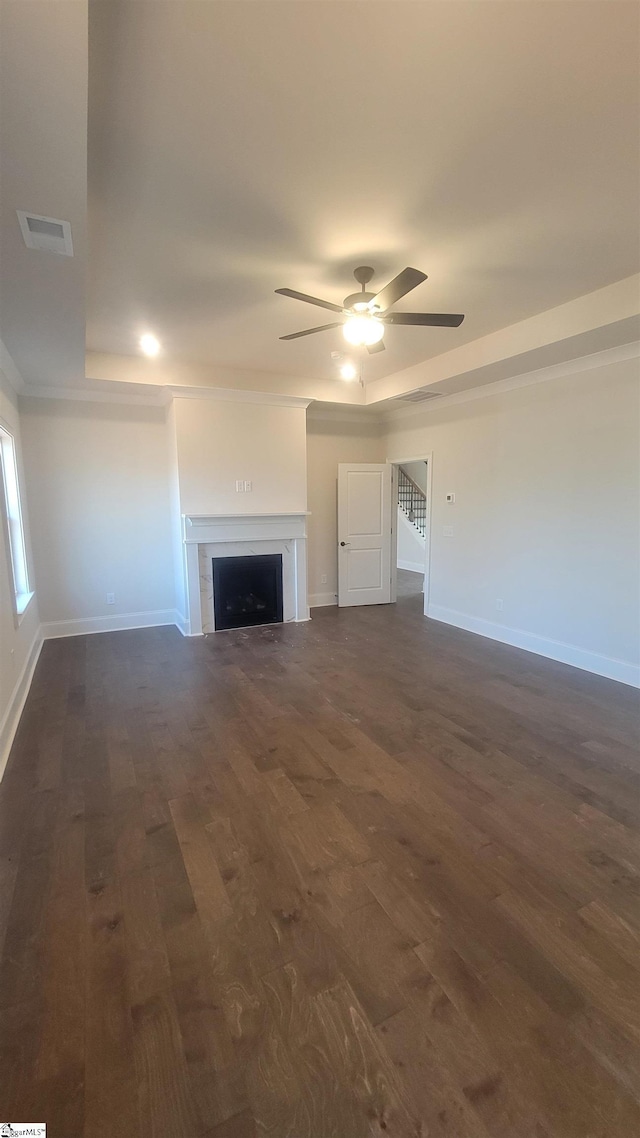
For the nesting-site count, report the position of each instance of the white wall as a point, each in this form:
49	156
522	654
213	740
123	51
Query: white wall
98	481
19	643
177	550
330	442
546	516
109	483
221	442
411	550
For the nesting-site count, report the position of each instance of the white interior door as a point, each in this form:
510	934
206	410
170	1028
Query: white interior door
364	533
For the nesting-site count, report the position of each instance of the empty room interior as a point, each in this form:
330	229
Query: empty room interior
320	568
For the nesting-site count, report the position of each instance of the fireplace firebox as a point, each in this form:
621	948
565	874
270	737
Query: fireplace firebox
247	590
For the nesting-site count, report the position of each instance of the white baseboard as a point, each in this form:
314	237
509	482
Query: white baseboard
11	717
321	600
412	566
117	623
619	670
181	623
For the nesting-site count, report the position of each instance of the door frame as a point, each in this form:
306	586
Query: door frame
385	534
395	463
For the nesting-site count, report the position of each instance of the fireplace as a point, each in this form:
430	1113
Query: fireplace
247	590
208	538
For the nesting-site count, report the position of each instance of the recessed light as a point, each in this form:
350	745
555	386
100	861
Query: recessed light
150	346
347	371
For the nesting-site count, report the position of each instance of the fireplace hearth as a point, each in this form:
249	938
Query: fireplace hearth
247	590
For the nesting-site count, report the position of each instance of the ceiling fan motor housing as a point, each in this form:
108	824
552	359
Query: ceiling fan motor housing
355	298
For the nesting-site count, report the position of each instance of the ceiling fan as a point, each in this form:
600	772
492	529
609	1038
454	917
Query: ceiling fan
366	313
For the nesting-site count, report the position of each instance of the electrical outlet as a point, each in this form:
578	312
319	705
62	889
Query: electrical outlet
499	604
239	486
111	598
248	487
323	579
447	531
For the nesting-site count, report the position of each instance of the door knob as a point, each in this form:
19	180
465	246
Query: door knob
345	543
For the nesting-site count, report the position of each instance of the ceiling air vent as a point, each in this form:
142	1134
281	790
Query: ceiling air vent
45	233
419	396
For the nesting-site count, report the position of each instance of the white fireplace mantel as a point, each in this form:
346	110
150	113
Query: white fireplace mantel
206	536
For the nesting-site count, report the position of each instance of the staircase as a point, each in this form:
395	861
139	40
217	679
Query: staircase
412	502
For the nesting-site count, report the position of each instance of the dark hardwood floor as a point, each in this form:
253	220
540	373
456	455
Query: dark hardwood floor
368	875
409	584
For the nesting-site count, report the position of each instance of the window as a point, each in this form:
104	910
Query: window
9	471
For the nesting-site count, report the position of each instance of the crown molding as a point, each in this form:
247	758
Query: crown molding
140	373
161	396
527	379
235	395
318	413
156	396
86	395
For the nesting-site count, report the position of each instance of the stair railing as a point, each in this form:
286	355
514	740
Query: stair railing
413	502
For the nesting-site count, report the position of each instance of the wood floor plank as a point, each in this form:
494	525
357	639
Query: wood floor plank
65	968
616	931
369	875
442	1106
607	992
577	1091
332	1108
354	1048
166	1105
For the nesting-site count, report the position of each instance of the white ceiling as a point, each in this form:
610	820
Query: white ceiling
43	169
236	147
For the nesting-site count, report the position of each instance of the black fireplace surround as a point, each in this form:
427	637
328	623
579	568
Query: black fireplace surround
247	590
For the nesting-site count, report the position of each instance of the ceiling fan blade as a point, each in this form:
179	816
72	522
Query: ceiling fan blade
372	348
397	288
433	319
310	331
309	299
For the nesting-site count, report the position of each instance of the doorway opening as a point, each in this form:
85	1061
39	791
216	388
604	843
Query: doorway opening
411	485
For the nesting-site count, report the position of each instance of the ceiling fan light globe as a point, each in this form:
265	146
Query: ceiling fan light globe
376	331
362	331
